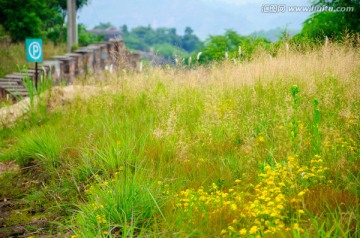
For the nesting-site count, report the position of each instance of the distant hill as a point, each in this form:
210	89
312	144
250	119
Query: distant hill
275	34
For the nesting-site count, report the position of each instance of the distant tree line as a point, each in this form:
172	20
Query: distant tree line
335	25
164	41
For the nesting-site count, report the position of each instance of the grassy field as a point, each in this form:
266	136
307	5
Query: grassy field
268	148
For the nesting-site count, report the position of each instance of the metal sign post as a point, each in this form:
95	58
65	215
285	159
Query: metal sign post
34	54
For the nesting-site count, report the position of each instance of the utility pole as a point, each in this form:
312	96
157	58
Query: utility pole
72	31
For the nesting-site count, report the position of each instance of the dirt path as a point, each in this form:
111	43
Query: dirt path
10	114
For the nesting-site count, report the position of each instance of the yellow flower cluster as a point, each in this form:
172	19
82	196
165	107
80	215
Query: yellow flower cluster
215	200
279	194
101	219
277	200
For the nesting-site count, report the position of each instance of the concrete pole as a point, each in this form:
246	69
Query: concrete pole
75	28
72	33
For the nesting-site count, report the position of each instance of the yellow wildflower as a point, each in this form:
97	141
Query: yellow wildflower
291	158
253	229
242	231
281	184
297	227
301	193
300	211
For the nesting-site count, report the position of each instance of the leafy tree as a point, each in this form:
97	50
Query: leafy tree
188	31
124	29
27	18
332	24
34	18
190	42
57	31
104	26
145	33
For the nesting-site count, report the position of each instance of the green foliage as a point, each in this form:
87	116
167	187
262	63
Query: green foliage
104	26
27	18
35	18
190	42
231	45
87	38
164	41
125	210
274	35
332	24
168	50
57	32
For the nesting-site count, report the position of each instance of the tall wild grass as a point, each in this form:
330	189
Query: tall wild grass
263	148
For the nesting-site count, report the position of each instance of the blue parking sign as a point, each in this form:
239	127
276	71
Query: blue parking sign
34	50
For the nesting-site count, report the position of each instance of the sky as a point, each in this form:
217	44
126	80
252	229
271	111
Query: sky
205	17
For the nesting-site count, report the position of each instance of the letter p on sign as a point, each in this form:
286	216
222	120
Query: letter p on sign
34	50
